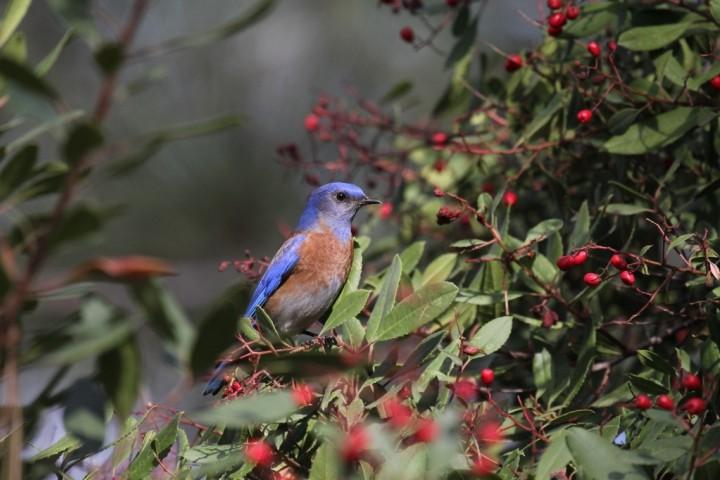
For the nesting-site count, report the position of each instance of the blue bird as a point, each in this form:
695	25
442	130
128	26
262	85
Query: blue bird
310	268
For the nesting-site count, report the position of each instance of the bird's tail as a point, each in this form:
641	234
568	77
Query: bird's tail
217	381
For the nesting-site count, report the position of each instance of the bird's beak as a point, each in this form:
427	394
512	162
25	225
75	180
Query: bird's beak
369	201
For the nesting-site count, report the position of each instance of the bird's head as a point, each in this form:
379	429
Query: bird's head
334	204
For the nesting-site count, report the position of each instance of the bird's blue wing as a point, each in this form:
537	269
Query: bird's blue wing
280	266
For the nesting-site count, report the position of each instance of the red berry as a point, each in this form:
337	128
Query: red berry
565	262
407	34
715	82
427	430
572	12
592	279
691	382
584	116
483	466
510	198
354	444
594	49
612	45
447	215
464	389
665	402
312	123
487	376
259	453
643	402
627	277
489	432
557	20
555	4
554	31
385	210
439	139
579	257
302	394
695	406
618	261
513	62
439	165
681	335
438	192
398	414
452	3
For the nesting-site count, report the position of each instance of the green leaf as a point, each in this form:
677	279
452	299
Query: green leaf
544	229
544	269
715	9
353	278
659	131
556	456
582	368
493	335
598	459
119	372
542	118
325	464
594	18
84	414
385	299
646	385
83	139
90	343
542	371
66	444
46	64
346	308
397	91
439	269
621	120
653	360
25	78
411	256
463	45
154	451
652	37
218	333
581	230
15	11
416	310
18	170
249	411
625	209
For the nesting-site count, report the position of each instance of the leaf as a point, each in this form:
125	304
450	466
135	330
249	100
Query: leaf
625	209
119	372
325	464
51	125
542	371
15	11
385	299
646	385
91	343
397	91
544	269
464	44
544	229
659	131
306	364
218	333
65	445
542	118
130	268
582	368
46	64
416	310
439	269
84	414
598	459
154	451
594	18
485	299
652	37
411	256
581	230
346	308
653	360
82	139
621	120
249	411
493	335
25	78
18	170
555	457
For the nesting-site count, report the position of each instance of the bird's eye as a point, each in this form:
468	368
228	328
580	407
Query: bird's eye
340	196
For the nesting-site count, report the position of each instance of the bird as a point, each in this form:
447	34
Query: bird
310	268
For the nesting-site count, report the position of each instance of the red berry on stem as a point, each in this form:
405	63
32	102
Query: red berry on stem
438	192
691	381
487	376
618	261
483	466
513	62
385	210
489	432
407	34
555	4
627	277
594	49
665	402
398	414
554	31
572	12
612	45
510	198
354	444
643	402
592	279
439	139
715	82
427	430
557	20
464	389
579	257
584	116
695	406
312	123
259	453
565	262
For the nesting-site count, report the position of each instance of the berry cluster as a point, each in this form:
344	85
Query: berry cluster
559	17
694	405
592	279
